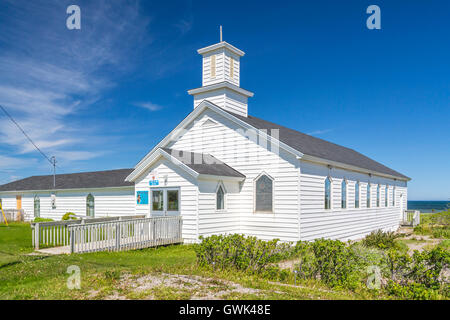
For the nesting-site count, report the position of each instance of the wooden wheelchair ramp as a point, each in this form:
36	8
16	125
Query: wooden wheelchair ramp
116	235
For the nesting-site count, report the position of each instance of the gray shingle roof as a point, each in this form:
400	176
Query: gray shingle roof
96	179
203	163
316	147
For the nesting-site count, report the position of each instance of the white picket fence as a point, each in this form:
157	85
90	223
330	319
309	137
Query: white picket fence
56	233
125	234
411	218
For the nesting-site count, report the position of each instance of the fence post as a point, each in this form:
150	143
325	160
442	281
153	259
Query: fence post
72	240
36	234
118	236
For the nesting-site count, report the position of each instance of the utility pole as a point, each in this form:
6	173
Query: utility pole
53	159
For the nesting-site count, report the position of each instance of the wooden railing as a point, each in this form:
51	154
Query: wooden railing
56	233
125	234
12	215
411	218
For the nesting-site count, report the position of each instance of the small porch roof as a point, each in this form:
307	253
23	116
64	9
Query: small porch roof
199	165
204	163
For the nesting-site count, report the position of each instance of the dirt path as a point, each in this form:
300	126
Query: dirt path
173	286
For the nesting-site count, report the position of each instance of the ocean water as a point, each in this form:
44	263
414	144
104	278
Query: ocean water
429	206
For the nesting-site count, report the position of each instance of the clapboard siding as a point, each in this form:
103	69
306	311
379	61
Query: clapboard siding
176	177
238	148
108	202
349	223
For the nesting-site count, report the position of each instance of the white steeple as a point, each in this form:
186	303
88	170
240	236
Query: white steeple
221	78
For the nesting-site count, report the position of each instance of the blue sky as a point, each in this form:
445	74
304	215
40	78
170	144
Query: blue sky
101	97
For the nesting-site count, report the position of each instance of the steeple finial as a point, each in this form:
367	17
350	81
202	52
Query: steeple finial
220	33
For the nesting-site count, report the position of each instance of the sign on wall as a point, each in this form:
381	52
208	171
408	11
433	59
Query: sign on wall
142	197
154	180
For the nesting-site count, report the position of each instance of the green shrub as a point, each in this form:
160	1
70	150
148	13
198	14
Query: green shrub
381	239
42	219
242	253
414	291
331	261
419	276
427	266
69	216
441	232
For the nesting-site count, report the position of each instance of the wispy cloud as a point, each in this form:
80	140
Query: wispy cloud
7	163
148	105
49	74
319	132
185	25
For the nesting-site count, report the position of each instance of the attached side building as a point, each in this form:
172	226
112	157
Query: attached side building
100	193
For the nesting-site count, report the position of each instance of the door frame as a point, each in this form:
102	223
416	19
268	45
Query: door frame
165	212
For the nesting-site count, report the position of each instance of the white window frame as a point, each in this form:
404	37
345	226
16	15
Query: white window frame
386	196
220	184
36	197
393	197
263	173
357	185
378	202
344	181
325	193
90	194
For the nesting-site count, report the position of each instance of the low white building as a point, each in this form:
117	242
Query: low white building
225	171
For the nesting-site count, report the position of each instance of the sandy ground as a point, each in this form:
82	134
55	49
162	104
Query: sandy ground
198	288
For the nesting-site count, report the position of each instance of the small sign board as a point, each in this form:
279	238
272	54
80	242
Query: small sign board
154	181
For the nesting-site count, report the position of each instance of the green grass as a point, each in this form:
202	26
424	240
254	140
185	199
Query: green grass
24	276
436	225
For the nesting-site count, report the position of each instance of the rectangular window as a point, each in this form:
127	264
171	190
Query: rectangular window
368	195
157	200
213	66
172	200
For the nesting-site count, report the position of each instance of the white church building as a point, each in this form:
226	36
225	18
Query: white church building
225	171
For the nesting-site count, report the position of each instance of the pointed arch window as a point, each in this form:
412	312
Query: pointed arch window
344	194
368	195
90	205
357	194
264	193
378	195
220	198
386	195
37	206
393	196
328	193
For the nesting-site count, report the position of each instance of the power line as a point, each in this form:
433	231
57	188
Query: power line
52	160
26	135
